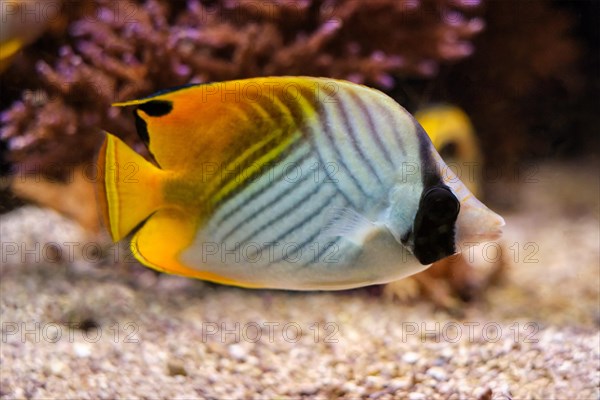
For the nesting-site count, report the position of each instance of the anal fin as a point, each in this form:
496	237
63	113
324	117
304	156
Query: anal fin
160	241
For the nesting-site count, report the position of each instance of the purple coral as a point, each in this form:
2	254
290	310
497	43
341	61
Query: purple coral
120	50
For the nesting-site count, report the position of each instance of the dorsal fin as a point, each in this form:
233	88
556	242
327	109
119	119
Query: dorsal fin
168	120
207	125
154	95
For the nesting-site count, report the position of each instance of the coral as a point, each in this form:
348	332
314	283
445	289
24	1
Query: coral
120	50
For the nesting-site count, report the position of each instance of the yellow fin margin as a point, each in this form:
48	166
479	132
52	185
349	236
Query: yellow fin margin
160	241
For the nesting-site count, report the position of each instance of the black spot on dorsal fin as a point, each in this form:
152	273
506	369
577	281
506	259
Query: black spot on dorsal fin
142	128
156	108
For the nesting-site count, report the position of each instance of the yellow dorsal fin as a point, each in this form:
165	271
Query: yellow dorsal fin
169	121
221	119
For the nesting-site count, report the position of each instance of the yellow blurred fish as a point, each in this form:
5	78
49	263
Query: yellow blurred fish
23	21
285	182
449	128
8	50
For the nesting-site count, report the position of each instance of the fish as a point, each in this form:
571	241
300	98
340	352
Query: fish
8	50
23	22
296	183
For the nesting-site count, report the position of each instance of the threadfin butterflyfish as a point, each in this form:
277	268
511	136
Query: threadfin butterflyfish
285	182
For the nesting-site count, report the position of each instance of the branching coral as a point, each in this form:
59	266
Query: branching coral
123	49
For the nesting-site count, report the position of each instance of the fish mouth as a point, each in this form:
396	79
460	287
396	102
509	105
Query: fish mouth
495	231
489	235
499	222
493	234
491	229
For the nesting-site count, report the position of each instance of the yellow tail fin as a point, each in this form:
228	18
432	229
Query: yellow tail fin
129	187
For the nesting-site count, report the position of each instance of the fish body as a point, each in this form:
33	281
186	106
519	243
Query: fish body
285	182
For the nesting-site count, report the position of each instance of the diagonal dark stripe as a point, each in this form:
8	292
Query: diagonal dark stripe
373	129
249	161
281	215
333	144
290	189
351	131
225	217
297	114
299	225
397	136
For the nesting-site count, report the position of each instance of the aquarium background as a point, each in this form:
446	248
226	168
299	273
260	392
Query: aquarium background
517	319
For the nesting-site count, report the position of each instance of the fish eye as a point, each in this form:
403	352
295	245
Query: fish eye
440	204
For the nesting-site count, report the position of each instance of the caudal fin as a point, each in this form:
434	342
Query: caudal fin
129	187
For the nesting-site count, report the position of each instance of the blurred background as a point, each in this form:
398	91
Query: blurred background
509	85
526	73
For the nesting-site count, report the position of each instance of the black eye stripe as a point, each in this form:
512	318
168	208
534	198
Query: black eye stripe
433	228
142	128
440	204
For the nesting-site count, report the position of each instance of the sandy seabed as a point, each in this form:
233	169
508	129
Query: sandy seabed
80	329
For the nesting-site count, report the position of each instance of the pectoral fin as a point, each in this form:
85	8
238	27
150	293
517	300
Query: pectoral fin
351	225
